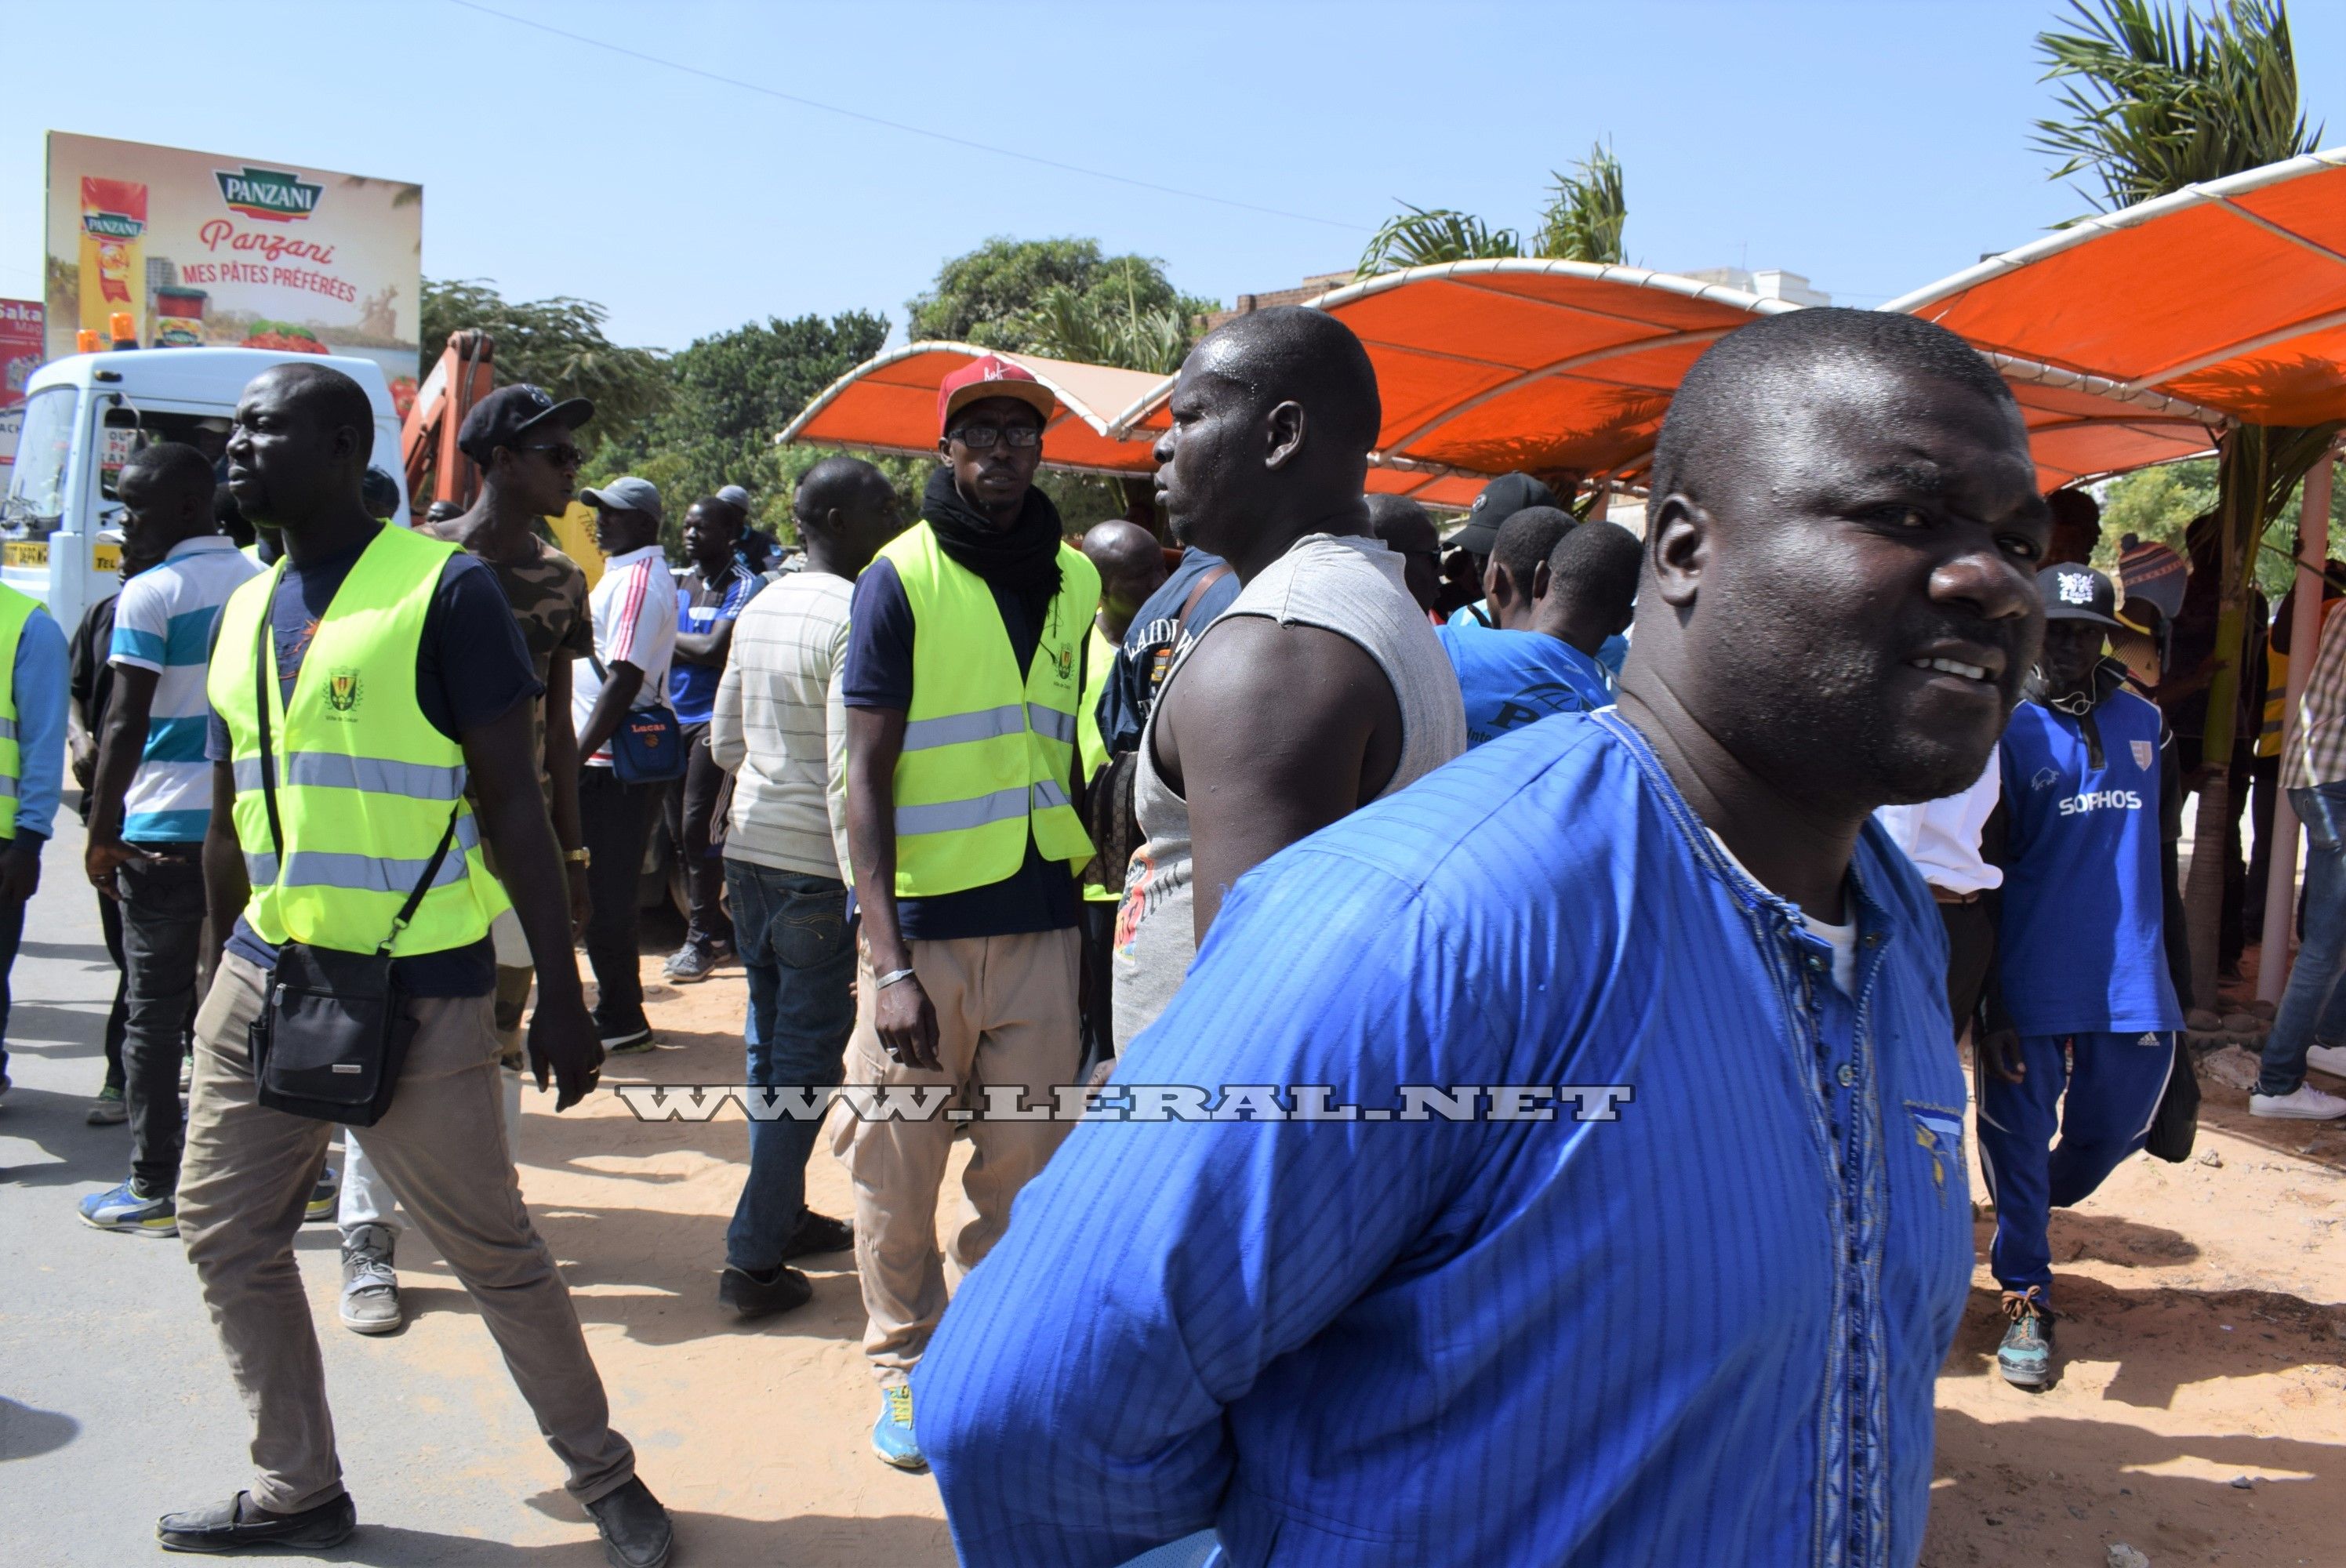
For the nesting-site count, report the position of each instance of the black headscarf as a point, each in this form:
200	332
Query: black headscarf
1022	559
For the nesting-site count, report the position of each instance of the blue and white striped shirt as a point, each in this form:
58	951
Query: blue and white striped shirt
1703	1332
163	622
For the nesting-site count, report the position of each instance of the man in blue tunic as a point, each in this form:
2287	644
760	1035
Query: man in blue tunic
1607	1204
2088	1002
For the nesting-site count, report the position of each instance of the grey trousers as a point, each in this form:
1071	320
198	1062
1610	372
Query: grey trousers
245	1181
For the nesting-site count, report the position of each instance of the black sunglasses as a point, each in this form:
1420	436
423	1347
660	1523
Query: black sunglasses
562	455
982	437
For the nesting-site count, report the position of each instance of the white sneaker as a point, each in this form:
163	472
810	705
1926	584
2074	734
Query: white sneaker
2329	1059
2304	1103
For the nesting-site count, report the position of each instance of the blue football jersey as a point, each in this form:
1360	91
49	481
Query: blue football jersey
2081	947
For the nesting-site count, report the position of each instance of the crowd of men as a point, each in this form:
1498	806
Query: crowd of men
1306	804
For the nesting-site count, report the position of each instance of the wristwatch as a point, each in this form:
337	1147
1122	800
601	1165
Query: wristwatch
578	857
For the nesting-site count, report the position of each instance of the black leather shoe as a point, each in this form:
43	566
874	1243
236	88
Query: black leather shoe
751	1297
238	1525
818	1233
634	1526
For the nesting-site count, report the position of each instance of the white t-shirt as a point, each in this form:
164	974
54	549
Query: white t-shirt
1843	939
634	608
1941	837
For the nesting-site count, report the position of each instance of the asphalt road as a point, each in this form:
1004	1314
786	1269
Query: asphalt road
115	1401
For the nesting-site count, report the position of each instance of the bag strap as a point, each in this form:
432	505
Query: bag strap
1205	579
269	792
268	750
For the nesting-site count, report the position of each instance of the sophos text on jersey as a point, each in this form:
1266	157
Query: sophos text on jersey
2101	800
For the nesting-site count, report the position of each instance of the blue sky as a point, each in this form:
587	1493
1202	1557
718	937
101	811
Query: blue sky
1874	146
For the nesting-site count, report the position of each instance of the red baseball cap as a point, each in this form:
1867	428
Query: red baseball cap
992	376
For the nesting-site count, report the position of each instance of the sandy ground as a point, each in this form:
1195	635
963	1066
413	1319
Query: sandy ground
2204	1342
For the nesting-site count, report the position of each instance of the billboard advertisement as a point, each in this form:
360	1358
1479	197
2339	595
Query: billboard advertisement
207	248
21	353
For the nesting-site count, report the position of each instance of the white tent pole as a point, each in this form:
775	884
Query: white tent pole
2304	639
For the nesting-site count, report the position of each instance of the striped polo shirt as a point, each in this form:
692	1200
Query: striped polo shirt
163	622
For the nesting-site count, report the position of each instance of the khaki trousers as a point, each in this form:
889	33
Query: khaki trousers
246	1179
1006	1013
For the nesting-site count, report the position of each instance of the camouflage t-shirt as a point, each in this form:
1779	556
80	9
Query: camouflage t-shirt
548	595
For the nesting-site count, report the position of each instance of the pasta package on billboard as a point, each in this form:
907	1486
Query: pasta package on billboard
113	255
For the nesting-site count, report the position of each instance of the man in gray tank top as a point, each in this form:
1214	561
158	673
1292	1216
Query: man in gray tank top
1322	687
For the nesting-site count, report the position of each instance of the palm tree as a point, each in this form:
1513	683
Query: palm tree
1582	222
2154	101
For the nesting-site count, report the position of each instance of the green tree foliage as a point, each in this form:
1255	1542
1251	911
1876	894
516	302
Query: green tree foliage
727	397
1006	293
2154	101
1586	211
558	344
2158	503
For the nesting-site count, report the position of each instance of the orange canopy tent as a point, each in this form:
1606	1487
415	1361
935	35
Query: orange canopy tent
2230	295
1566	369
889	404
1550	367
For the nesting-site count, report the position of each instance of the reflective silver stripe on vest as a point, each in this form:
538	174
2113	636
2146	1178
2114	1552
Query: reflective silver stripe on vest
953	815
375	775
1051	724
955	728
7	786
1049	794
363	873
7	729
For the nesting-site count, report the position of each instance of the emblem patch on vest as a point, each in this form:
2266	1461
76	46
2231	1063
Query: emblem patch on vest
1066	664
344	689
2143	754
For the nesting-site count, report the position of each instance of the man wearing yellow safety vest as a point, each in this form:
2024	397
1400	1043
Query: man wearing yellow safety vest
357	688
966	660
33	703
1131	566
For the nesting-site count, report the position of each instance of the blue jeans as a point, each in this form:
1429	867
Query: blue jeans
2314	1006
791	933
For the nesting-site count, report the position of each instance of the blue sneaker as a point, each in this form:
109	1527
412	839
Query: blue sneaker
123	1209
324	1198
2025	1356
892	1434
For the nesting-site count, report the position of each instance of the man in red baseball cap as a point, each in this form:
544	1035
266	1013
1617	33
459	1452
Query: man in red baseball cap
964	664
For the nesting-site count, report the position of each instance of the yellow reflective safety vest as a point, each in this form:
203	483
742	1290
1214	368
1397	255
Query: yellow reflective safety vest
987	754
1101	657
365	784
16	609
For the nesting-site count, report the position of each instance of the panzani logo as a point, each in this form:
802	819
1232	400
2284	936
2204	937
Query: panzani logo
2077	587
273	196
112	225
343	690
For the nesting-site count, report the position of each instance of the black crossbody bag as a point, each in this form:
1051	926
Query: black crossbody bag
334	1027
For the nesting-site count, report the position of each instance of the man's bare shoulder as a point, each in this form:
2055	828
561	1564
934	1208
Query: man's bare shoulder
1250	675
